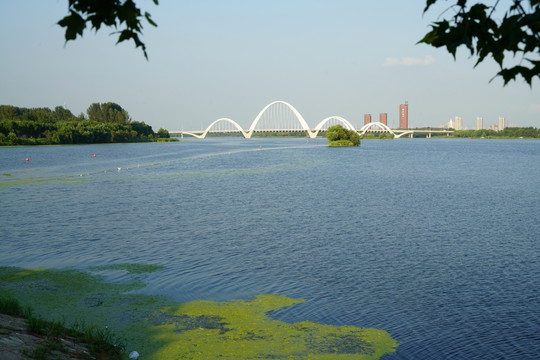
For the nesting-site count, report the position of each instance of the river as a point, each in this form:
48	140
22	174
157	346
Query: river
434	240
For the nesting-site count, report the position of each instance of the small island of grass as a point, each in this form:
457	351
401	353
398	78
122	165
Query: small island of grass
338	136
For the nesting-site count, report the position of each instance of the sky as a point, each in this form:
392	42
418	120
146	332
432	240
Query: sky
210	59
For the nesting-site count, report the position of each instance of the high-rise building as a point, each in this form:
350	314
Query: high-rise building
367	118
404	115
457	123
501	123
383	118
479	123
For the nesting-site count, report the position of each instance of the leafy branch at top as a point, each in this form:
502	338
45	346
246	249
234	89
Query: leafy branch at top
475	27
122	15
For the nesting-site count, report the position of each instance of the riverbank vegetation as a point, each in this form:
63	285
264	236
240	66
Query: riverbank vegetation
377	136
337	136
507	133
103	123
40	339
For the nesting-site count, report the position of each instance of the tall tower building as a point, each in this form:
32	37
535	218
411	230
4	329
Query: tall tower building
457	123
383	118
501	123
404	115
367	118
479	123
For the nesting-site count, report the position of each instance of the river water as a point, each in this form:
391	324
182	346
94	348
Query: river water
434	240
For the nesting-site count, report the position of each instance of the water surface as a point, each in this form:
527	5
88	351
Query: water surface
432	240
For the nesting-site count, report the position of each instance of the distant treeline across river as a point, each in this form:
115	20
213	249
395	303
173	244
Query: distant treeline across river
103	123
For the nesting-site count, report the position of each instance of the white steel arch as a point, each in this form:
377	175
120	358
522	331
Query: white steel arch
305	127
344	121
234	123
303	122
404	133
380	125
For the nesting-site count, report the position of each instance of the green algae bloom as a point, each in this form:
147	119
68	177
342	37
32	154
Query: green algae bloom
130	268
242	330
158	328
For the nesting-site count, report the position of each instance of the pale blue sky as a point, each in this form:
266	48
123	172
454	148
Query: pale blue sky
229	58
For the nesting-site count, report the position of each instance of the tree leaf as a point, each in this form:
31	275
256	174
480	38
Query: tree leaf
74	24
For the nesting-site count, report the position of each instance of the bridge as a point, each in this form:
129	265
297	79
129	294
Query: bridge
282	117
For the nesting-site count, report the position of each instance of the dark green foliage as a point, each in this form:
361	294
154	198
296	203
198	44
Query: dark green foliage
36	325
486	34
141	128
108	123
162	133
98	340
510	132
110	13
108	113
378	135
10	306
337	135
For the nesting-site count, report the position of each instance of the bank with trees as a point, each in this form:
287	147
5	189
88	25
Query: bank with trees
102	123
506	133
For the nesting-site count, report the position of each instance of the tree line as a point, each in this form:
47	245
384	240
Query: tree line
509	132
103	123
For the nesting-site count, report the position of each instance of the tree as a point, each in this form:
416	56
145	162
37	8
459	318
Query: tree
337	135
111	13
163	134
61	113
142	128
481	30
108	113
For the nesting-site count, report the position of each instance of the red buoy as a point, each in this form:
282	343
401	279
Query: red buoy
95	155
220	149
27	159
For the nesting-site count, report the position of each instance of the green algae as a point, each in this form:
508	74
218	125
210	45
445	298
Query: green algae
36	181
158	328
130	268
246	332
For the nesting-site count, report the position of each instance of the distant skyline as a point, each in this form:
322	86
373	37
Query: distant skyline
212	58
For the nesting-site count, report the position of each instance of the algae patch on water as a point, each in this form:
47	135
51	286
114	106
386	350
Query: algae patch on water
130	268
241	329
158	328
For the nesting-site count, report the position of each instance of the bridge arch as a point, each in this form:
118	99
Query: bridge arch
344	121
299	116
226	120
379	125
404	133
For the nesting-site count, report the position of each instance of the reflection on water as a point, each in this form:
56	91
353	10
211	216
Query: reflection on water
434	241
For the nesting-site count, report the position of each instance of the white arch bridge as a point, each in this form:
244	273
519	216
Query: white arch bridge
282	117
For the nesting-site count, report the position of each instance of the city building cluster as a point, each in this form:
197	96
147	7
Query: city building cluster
383	117
457	124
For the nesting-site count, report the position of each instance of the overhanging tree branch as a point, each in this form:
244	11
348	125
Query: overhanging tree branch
475	27
123	14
